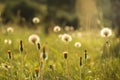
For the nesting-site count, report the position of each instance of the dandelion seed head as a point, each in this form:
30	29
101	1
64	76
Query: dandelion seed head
106	32
8	41
5	66
57	29
10	29
77	44
66	38
36	20
34	39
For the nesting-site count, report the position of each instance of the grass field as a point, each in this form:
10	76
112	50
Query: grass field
28	65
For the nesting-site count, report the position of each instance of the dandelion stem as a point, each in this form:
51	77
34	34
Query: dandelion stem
67	73
80	74
42	70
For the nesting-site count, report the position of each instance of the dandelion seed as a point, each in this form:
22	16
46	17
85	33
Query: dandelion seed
36	20
10	29
65	55
57	29
34	39
77	44
66	38
106	32
8	41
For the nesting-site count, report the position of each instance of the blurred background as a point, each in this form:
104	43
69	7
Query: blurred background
81	14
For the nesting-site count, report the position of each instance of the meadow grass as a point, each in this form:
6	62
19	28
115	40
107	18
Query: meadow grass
95	67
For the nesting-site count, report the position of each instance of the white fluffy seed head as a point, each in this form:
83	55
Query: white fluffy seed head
77	44
34	39
36	20
8	41
10	29
66	38
57	29
106	32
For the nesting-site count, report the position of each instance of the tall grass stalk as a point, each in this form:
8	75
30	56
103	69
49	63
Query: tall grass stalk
42	70
66	65
22	61
39	58
10	63
80	68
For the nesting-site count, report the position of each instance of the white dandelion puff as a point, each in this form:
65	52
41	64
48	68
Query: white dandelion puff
57	29
10	29
66	38
5	66
106	32
67	28
77	44
8	41
34	39
36	20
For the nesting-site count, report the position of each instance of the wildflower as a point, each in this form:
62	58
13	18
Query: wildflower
36	20
8	41
34	39
77	44
57	29
65	55
9	54
66	38
10	29
106	32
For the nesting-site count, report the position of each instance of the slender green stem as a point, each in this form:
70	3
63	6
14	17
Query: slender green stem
80	73
67	70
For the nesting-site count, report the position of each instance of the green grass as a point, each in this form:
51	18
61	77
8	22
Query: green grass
94	69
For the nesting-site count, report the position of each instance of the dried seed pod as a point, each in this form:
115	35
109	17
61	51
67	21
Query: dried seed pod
65	55
38	46
51	67
21	46
80	61
85	54
36	71
9	54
